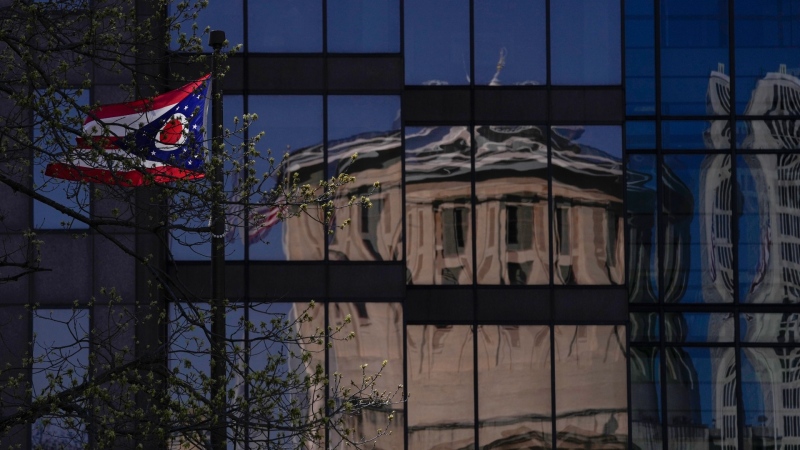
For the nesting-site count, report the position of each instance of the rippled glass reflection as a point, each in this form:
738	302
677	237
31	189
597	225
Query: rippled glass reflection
587	213
698	246
291	124
777	328
701	397
642	228
769	248
514	392
367	126
646	431
591	387
698	327
771	396
438	205
511	211
440	378
378	329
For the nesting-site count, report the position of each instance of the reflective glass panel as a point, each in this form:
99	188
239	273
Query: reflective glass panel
60	351
440	376
769	134
511	211
437	44
283	351
642	243
694	55
701	396
438	208
769	243
585	42
695	135
646	403
591	387
368	126
364	26
767	44
277	26
587	212
378	329
510	42
51	142
225	15
640	135
698	246
645	327
293	125
779	328
514	389
698	327
191	245
771	397
640	58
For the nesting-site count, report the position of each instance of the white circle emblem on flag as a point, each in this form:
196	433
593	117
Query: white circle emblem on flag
173	133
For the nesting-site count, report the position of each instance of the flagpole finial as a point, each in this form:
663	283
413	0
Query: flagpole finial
216	39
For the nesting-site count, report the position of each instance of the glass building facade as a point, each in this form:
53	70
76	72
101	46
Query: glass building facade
587	231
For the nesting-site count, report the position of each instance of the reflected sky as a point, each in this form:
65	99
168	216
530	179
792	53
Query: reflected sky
364	26
437	43
74	196
290	123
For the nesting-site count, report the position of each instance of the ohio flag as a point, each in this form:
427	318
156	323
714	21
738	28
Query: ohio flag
135	143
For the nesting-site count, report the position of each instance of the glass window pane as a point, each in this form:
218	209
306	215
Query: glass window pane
769	134
645	327
698	327
511	211
646	397
60	351
701	397
514	377
437	44
440	378
378	329
278	335
640	58
370	127
640	135
438	205
191	245
783	328
695	135
694	55
643	229
51	142
225	15
585	42
291	124
769	242
698	249
364	26
277	26
767	41
591	386
510	42
771	396
587	212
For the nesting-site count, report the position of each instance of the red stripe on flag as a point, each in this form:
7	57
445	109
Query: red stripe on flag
163	174
144	105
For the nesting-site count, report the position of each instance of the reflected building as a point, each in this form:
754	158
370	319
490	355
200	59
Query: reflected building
511	210
770	231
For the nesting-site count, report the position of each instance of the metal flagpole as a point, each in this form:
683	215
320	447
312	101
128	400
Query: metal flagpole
218	361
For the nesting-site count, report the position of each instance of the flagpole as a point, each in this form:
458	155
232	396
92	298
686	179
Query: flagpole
218	361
